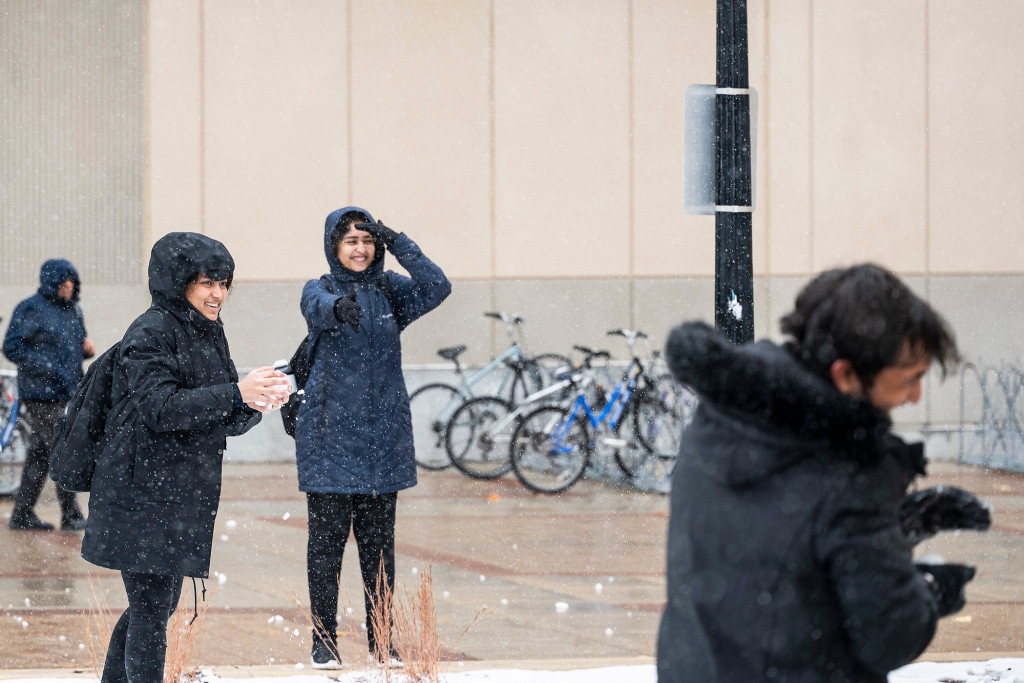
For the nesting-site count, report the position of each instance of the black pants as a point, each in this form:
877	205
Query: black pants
331	515
41	417
138	644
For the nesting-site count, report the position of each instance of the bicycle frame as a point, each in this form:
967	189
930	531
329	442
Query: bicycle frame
513	352
616	403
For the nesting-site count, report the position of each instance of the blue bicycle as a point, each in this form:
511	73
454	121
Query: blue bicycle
552	446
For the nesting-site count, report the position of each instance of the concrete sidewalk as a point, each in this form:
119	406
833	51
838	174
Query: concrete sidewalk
519	580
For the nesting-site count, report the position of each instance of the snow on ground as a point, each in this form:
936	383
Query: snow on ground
992	671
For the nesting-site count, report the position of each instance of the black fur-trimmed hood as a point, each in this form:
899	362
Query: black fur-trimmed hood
766	392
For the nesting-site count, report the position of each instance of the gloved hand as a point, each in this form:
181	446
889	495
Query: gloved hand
381	232
947	582
925	513
347	310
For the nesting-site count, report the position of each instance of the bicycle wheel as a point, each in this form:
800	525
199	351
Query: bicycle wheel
478	437
546	367
677	396
550	450
431	406
13	455
654	442
632	455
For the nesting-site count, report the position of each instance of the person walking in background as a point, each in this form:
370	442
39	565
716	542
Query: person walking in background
790	538
353	434
47	340
156	488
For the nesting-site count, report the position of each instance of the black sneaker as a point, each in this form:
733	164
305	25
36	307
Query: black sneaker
324	656
72	524
28	522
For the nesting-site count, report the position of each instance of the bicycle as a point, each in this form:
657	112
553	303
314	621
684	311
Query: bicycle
479	433
433	404
663	422
14	435
552	445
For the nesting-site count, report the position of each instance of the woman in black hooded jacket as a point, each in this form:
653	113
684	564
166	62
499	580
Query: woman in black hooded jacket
156	488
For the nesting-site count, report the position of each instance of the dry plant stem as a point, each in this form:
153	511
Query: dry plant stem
415	622
180	663
98	626
415	628
316	625
380	617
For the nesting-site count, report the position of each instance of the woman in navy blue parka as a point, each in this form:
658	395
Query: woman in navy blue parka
353	436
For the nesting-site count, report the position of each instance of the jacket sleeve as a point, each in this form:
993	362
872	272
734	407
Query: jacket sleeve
150	364
23	326
318	306
888	611
424	290
242	420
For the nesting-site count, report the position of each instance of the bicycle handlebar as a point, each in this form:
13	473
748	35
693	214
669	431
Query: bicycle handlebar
628	334
505	317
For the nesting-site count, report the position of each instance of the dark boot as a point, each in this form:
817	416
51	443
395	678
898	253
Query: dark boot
27	521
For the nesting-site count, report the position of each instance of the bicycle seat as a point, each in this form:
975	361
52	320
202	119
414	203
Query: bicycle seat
452	352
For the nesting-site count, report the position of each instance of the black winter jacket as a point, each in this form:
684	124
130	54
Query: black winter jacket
786	561
156	488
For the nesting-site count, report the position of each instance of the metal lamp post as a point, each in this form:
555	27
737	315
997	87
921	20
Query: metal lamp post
734	277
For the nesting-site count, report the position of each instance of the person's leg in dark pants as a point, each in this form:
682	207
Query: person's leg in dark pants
373	521
138	643
41	417
329	523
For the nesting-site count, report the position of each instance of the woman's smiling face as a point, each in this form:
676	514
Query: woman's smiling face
207	295
356	250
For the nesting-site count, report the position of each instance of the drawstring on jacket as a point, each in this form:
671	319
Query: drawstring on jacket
195	599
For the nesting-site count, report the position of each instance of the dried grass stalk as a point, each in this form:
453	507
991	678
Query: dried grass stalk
180	663
98	626
381	619
415	632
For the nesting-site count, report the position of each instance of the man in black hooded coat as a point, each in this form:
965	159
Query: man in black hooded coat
156	488
786	557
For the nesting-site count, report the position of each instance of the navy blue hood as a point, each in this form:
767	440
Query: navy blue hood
53	273
178	256
340	272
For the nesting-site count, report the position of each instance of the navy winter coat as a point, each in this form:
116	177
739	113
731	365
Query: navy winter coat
354	430
156	488
45	337
786	560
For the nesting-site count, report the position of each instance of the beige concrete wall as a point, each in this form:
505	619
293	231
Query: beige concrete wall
504	136
533	148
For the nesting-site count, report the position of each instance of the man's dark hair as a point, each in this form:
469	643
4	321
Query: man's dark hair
868	316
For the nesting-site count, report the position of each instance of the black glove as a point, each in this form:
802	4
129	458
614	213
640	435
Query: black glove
347	310
925	513
947	582
381	232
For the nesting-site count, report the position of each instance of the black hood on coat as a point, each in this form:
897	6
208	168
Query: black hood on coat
53	274
768	396
176	257
339	271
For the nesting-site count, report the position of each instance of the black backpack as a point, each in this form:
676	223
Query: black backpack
82	431
301	365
